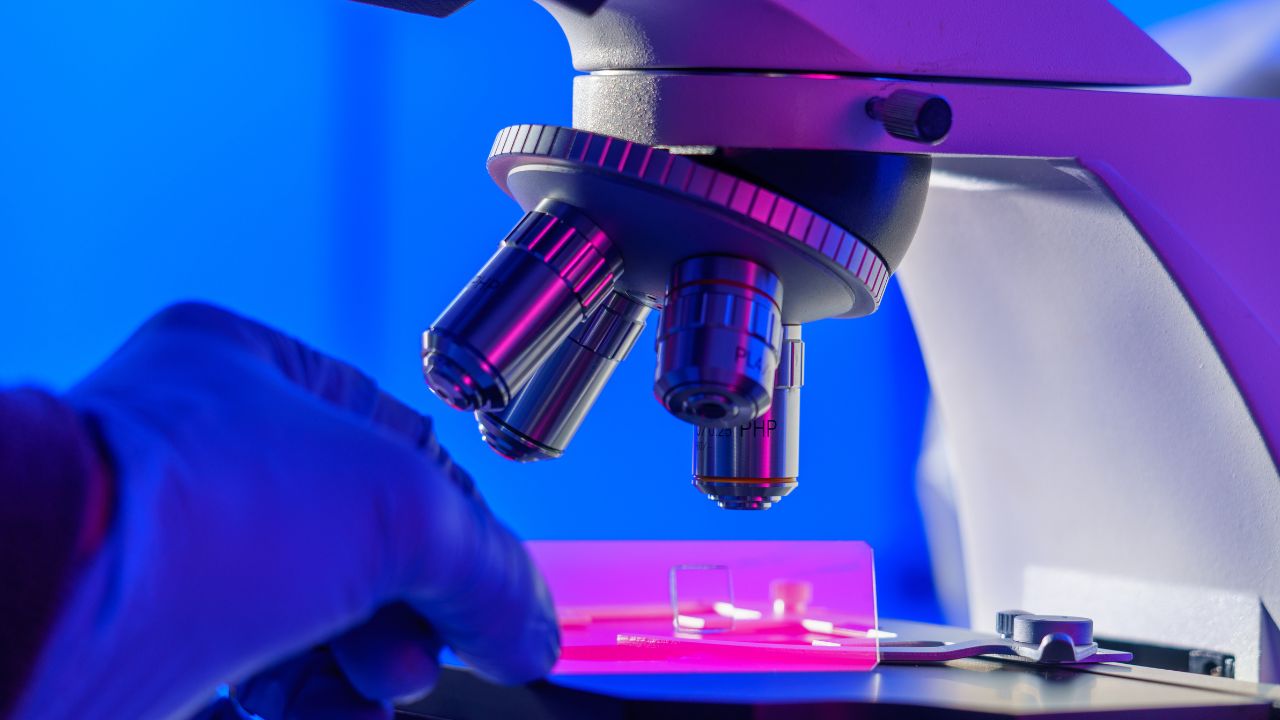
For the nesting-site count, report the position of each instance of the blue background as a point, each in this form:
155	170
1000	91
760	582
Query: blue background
319	165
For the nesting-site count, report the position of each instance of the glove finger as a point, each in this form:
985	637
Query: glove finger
393	656
327	378
310	686
477	586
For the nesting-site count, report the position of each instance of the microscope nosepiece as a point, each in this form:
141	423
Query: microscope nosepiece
718	341
552	271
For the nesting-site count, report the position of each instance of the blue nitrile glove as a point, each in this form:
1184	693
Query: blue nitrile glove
269	500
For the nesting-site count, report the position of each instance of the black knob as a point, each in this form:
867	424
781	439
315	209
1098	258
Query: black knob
1004	621
912	115
1034	628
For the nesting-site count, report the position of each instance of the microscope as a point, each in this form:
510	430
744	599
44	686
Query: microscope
1093	270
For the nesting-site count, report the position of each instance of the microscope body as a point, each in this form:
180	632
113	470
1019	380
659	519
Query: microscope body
1091	272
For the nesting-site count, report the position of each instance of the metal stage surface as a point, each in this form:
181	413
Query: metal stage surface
969	689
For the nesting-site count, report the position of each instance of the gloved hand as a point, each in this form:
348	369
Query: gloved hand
268	500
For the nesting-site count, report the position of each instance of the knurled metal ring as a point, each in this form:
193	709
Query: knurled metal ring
686	177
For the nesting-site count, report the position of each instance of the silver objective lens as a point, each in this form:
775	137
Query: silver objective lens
718	341
552	271
539	423
753	465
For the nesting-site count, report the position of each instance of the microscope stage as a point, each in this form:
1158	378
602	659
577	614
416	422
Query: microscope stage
970	689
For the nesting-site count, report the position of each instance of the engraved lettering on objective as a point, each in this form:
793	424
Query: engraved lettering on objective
481	282
756	363
701	437
756	428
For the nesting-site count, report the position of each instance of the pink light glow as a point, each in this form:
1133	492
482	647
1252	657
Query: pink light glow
615	615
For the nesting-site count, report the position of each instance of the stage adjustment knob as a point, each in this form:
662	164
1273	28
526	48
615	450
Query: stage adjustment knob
1004	621
1034	628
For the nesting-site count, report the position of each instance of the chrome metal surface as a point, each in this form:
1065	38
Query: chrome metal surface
753	465
550	273
543	417
718	341
661	208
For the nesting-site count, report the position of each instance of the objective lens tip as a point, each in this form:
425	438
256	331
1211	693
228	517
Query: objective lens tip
511	443
743	494
709	407
449	382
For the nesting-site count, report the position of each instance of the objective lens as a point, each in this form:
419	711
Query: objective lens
539	423
752	466
718	341
552	271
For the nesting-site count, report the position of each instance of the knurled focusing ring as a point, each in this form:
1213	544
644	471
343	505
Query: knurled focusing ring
718	341
552	271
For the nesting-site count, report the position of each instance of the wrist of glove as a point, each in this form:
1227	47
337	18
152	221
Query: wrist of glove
51	520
